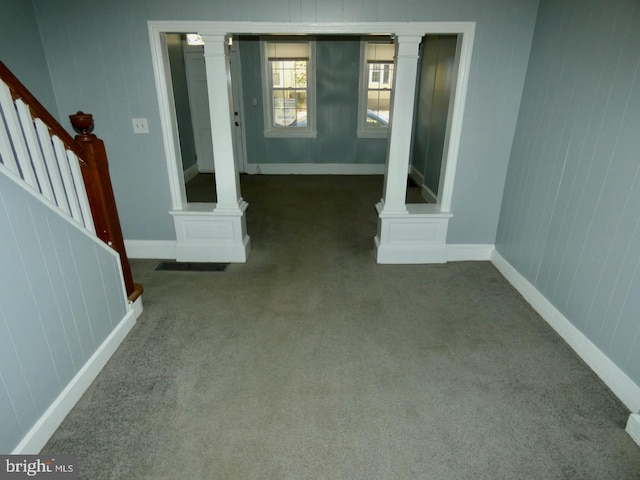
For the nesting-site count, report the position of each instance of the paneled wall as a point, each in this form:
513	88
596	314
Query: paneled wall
21	50
433	95
61	295
570	220
337	83
100	61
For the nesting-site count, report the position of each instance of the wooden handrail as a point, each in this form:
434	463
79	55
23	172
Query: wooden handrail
18	90
92	157
95	172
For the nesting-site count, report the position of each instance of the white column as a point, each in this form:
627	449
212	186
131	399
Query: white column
203	235
406	235
219	89
399	147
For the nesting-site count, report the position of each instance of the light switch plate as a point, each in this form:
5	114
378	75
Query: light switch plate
140	125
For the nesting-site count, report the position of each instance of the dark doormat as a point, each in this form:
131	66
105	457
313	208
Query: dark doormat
192	267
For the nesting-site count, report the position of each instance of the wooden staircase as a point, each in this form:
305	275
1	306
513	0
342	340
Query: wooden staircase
70	175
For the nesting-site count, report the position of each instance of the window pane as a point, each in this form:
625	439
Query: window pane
289	93
276	70
284	109
289	64
300	74
378	104
301	99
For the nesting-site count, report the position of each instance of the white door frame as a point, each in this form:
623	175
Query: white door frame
413	234
237	102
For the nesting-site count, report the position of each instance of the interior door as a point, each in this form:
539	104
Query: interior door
237	105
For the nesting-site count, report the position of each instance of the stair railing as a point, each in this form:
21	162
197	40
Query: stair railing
71	175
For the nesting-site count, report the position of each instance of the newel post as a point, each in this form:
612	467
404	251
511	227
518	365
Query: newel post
95	172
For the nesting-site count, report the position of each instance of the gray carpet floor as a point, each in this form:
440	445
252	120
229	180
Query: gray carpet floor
312	362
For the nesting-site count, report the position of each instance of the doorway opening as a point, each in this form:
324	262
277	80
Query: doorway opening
437	71
407	233
193	121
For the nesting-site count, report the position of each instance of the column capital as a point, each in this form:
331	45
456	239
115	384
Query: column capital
214	44
408	47
399	39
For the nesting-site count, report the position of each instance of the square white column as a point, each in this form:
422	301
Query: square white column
216	232
406	234
219	91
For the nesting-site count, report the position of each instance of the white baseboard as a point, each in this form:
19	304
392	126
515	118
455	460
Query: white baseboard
428	195
415	175
633	427
191	172
165	249
465	253
409	255
425	191
315	169
47	424
619	383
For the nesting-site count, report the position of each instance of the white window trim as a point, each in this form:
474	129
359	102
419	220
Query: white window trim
270	131
364	131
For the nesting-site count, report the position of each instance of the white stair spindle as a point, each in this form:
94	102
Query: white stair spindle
83	200
52	166
17	139
34	149
67	179
6	150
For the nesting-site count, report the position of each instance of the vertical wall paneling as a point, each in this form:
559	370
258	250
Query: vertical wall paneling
119	50
61	295
21	50
570	221
9	424
435	82
337	83
22	312
22	405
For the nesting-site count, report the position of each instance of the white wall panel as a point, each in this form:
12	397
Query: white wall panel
61	294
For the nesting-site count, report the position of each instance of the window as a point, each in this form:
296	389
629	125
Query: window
376	85
288	88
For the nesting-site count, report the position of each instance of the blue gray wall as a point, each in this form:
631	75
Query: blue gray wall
21	50
60	297
570	220
181	99
337	89
100	61
433	95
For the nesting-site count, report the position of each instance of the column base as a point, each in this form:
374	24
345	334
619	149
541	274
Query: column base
416	236
205	233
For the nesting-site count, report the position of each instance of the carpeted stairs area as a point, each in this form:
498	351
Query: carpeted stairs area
312	362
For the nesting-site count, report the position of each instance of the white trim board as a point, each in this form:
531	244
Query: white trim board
633	427
191	172
162	249
315	169
47	424
467	253
618	381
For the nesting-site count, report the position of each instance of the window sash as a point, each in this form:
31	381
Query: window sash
376	87
288	84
